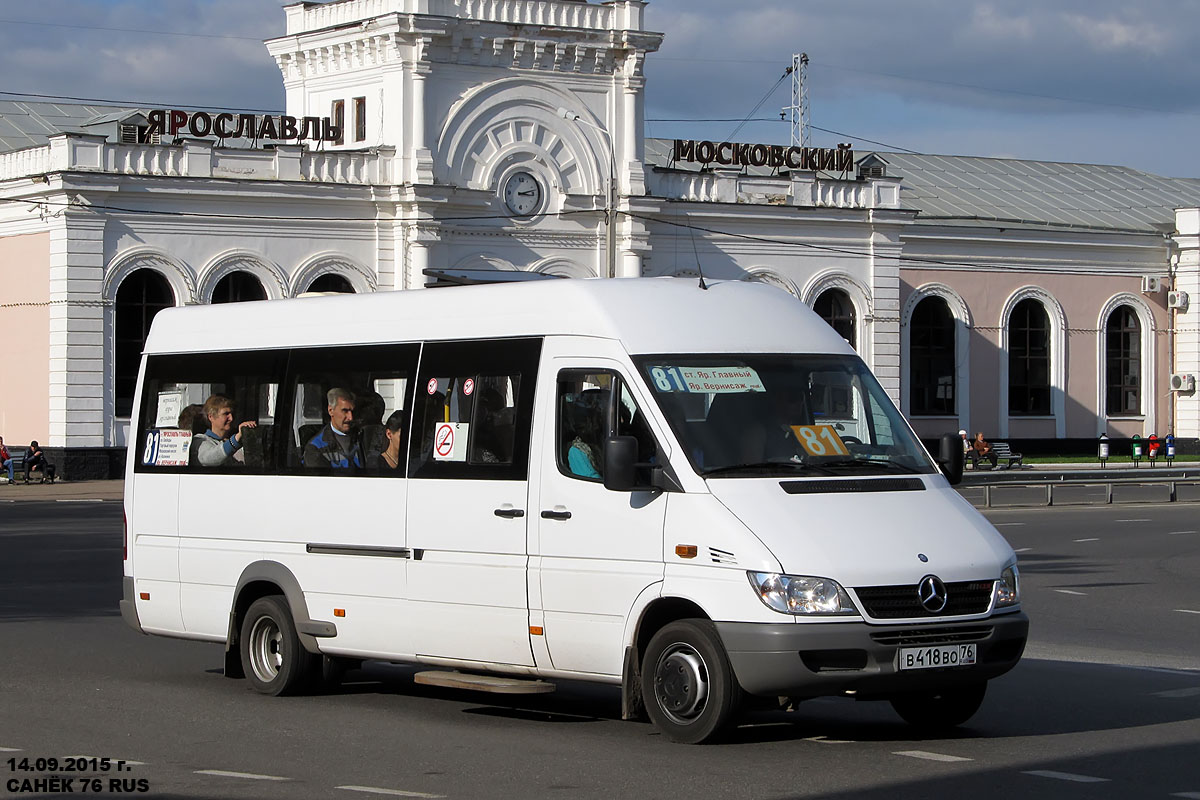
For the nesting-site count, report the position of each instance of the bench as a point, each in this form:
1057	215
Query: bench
1004	453
18	463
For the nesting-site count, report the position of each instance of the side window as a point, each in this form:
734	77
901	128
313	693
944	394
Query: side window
473	409
586	416
210	412
349	409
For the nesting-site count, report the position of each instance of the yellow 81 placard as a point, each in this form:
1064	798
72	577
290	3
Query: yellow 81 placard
820	440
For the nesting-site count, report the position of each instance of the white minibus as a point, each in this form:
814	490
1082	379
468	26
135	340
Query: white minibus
698	494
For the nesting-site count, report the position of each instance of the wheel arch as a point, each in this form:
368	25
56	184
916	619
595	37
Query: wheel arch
657	612
260	579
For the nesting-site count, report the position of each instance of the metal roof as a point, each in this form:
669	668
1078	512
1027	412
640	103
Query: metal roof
1039	192
29	124
973	189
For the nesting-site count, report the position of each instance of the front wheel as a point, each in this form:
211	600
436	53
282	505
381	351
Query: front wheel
940	710
688	685
273	659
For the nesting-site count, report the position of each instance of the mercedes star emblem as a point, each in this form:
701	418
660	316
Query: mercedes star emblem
932	594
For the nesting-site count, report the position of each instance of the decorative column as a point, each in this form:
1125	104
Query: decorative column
420	240
1185	324
80	374
422	158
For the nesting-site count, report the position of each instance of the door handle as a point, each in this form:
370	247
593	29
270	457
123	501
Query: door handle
556	515
509	513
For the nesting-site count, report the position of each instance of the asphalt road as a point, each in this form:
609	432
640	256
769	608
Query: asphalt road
1106	703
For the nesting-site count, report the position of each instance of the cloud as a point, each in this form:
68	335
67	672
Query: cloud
1112	35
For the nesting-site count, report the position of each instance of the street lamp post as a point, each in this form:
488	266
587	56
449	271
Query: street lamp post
610	210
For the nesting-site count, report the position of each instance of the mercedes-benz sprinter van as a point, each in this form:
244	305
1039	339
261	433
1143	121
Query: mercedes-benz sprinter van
700	495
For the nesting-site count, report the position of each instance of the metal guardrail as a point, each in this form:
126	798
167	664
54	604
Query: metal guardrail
1050	484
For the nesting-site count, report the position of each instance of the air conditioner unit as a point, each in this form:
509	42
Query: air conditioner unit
1177	300
1183	382
1151	284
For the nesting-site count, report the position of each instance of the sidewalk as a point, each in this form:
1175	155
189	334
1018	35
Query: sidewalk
63	490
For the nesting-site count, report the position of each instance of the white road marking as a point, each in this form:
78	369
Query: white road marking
1187	795
81	500
1023	550
1187	611
1093	539
249	775
1065	776
930	756
1069	591
824	740
1135	520
1178	533
393	792
1007	524
10	749
1191	692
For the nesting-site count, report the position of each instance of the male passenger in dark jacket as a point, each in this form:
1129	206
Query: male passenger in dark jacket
338	445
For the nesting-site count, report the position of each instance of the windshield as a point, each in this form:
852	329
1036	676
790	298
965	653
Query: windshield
758	415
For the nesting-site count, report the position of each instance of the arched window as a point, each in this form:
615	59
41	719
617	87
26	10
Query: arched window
931	356
139	297
329	282
1029	359
1123	362
835	308
237	287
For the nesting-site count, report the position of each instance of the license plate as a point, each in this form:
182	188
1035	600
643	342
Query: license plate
951	655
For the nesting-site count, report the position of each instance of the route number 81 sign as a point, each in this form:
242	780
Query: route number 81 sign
820	440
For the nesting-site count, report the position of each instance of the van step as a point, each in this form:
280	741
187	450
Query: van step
483	683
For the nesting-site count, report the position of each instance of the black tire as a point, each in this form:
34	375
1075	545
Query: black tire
688	685
940	710
273	659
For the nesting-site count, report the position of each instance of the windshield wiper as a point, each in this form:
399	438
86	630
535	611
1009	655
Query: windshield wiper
886	466
766	466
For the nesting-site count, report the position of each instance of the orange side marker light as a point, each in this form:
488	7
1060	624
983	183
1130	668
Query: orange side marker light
339	612
144	595
535	630
686	550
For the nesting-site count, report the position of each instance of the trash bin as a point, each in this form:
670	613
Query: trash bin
1152	448
1136	450
1102	454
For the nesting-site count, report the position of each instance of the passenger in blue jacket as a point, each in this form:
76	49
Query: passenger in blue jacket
338	445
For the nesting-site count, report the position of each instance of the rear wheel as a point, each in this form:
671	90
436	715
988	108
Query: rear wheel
273	659
940	710
687	684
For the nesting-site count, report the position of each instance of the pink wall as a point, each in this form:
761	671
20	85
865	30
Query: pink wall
1082	298
25	339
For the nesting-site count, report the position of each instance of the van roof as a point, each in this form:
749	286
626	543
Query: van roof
647	315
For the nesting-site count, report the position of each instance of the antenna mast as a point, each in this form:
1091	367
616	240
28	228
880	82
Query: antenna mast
799	107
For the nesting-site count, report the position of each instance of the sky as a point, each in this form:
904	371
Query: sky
1095	81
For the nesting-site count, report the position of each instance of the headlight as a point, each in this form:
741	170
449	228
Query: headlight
1008	588
801	594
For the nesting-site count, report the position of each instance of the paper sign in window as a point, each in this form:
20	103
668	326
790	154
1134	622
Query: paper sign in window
450	441
820	440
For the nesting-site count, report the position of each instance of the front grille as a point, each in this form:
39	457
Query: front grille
928	637
901	602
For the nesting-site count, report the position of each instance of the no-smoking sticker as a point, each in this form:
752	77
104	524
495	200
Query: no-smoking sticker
431	387
450	441
468	387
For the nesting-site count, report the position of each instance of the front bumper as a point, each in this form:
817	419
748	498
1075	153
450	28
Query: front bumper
821	659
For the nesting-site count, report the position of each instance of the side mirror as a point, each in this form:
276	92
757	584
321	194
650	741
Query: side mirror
950	457
620	463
